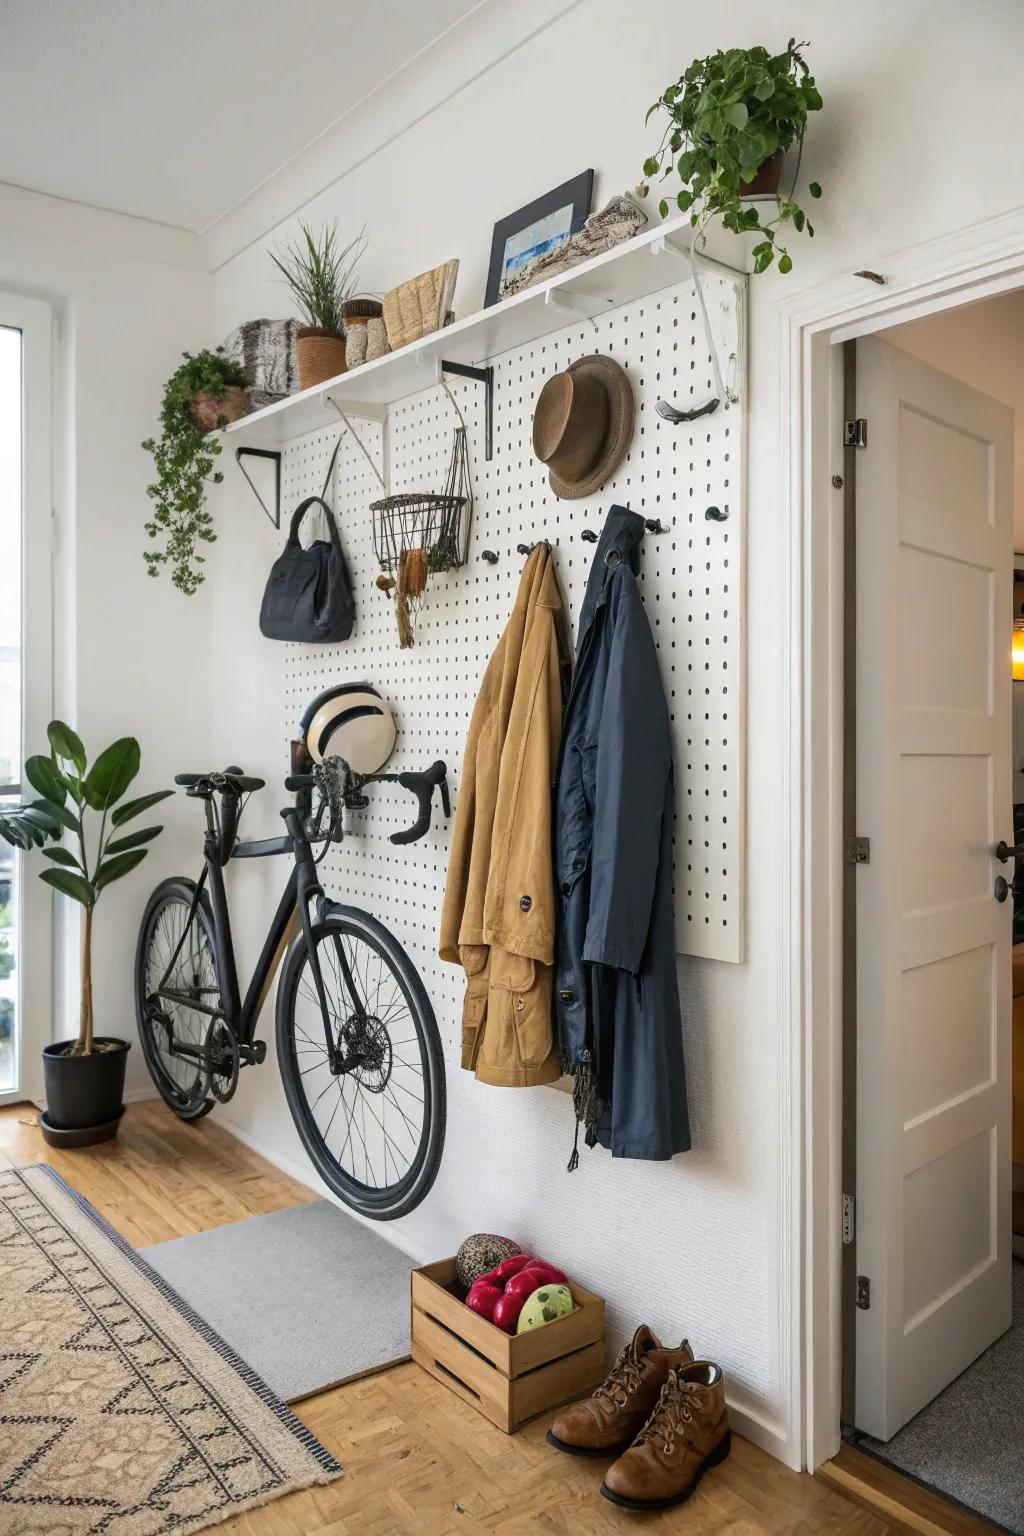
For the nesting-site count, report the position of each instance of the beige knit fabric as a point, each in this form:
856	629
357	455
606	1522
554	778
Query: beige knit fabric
118	1414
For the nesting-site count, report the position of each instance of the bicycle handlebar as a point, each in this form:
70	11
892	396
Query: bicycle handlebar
421	784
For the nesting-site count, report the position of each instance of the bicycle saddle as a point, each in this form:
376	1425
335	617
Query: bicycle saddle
232	779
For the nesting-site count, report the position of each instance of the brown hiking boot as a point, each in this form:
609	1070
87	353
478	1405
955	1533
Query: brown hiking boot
606	1422
687	1433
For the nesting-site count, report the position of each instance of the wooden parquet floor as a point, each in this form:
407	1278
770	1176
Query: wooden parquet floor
418	1462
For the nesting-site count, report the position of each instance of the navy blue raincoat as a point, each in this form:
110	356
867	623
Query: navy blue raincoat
617	992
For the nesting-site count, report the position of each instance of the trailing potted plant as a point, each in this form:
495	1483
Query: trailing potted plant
84	1077
204	392
322	277
732	117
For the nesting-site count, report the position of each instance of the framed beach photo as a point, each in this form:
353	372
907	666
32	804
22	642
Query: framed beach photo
541	226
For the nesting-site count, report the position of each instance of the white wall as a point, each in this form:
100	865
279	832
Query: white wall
701	1253
127	298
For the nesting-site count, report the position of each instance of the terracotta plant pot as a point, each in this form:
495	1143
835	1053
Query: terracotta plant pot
320	356
85	1092
767	181
209	413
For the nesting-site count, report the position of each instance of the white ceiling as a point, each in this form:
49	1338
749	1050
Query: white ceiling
175	110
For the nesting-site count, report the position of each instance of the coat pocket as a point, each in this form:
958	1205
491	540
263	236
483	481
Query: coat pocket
520	1008
474	1007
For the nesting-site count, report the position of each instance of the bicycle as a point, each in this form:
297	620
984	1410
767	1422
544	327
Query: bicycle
357	1042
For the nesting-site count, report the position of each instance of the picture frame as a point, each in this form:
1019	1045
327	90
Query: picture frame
540	226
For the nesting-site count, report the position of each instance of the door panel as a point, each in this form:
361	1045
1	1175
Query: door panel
933	563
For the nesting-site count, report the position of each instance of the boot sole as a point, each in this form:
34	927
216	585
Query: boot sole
602	1453
718	1455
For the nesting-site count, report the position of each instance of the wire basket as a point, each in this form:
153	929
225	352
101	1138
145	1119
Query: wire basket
436	523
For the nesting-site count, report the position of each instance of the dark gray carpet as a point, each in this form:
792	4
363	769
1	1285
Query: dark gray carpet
307	1297
967	1443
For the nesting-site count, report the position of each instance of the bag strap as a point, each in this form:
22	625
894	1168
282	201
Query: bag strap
299	514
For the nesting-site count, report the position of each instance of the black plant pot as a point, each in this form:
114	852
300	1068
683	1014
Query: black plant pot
83	1093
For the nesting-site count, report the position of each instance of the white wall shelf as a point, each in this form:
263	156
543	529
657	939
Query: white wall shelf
654	259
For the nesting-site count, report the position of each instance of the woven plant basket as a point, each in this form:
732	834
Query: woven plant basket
320	356
420	306
209	413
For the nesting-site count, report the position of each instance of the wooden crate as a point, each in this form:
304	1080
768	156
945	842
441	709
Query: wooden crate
508	1377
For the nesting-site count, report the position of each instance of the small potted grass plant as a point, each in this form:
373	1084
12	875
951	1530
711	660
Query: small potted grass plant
322	276
732	118
83	1077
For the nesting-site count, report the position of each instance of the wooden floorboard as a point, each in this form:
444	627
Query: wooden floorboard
910	1509
418	1461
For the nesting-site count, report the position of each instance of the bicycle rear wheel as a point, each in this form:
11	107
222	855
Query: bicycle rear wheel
183	1080
375	1131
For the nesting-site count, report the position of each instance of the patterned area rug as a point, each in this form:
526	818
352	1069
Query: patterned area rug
121	1412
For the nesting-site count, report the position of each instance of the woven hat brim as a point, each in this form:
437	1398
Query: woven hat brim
620	429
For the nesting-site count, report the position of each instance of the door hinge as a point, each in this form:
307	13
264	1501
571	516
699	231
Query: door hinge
858	850
864	1293
849	1219
855	433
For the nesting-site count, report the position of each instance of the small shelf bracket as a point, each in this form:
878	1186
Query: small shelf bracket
576	303
263	453
484	376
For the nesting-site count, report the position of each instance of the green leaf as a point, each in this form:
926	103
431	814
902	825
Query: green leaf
663	208
136	807
63	856
133	840
683	201
65	744
120	864
651	166
70	884
57	814
815	189
785	263
737	115
111	773
20	833
46	779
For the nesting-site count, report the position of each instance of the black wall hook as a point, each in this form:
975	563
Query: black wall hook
489	556
588	536
716	515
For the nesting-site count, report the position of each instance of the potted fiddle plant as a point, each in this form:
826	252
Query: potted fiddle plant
322	276
204	393
83	1077
732	118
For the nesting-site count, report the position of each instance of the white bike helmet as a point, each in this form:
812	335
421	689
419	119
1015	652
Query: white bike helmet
353	722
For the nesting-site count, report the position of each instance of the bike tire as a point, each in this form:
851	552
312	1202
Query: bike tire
171	893
383	1203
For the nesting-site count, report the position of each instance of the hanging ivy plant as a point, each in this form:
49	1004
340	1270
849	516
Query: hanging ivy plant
203	393
729	115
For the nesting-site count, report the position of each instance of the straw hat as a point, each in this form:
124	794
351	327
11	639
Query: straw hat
582	425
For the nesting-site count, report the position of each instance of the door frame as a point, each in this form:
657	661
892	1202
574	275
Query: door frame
34	318
960	268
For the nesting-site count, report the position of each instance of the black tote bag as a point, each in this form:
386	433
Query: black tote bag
309	594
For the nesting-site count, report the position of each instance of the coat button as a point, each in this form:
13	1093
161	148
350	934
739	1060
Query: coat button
525	903
565	887
567	997
520	1005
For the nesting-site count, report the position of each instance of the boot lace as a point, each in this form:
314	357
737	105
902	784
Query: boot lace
673	1412
623	1378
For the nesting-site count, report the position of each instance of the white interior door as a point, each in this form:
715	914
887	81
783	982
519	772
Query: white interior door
934	599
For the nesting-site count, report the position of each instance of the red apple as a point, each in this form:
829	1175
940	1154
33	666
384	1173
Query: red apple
506	1313
511	1266
547	1274
483	1298
524	1283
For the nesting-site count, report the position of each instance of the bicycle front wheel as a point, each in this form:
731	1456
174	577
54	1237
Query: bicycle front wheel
375	1129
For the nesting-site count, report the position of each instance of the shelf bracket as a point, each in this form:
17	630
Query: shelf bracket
263	453
576	303
484	376
731	340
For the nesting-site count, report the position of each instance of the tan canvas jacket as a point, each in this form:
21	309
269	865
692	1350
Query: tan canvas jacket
498	917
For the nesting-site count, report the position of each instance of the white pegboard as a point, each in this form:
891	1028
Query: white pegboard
692	584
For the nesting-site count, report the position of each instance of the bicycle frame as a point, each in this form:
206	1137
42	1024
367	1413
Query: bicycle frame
291	917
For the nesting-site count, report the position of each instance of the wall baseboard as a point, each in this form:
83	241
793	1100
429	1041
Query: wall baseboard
759	1430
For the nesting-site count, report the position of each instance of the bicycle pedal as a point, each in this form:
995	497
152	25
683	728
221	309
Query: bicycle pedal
255	1054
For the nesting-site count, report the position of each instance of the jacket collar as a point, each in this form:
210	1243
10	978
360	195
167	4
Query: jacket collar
620	539
538	585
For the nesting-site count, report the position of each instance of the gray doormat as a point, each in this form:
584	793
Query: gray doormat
967	1443
307	1297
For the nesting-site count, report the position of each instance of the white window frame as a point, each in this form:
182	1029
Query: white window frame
34	917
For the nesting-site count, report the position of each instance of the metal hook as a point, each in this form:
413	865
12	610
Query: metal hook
716	515
653	525
588	536
489	556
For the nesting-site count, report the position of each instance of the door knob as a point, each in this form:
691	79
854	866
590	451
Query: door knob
1004	850
1002	888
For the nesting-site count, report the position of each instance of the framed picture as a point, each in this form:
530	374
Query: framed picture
541	226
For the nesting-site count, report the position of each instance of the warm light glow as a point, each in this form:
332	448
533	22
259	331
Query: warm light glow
1018	655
